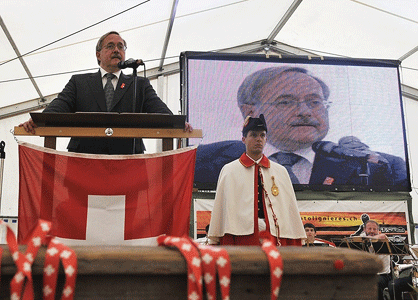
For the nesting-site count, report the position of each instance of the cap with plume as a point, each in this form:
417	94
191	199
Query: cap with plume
255	124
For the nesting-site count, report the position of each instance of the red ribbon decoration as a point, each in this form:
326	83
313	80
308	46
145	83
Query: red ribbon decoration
202	263
190	253
55	252
22	282
276	266
215	260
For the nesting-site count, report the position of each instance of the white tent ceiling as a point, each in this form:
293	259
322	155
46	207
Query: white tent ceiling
58	37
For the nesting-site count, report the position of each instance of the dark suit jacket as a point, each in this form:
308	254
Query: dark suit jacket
210	159
391	173
84	93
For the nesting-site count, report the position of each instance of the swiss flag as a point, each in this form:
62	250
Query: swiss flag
105	196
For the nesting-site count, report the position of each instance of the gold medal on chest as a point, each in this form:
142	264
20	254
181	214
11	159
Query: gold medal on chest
274	188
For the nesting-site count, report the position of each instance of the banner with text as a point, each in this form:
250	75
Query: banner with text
335	220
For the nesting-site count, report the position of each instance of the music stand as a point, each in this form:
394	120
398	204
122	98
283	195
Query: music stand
378	246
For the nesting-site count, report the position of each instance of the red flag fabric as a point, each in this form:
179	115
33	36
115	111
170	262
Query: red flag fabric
150	194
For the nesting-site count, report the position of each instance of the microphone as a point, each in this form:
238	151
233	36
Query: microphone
131	63
331	149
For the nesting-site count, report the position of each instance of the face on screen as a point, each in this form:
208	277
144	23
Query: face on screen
295	112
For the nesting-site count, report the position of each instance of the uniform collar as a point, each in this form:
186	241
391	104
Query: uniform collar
247	161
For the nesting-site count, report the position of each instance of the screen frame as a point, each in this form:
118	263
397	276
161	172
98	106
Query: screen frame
185	57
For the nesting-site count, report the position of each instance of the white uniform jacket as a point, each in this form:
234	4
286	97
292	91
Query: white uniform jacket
233	210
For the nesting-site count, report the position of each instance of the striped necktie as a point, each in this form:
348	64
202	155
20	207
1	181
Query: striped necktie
109	91
287	160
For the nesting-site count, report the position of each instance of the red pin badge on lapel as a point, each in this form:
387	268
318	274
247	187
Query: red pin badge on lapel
122	85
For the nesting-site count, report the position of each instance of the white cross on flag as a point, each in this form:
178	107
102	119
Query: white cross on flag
105	199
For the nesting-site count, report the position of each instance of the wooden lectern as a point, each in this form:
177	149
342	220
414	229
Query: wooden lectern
109	125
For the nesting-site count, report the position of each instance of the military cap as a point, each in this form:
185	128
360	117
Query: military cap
255	124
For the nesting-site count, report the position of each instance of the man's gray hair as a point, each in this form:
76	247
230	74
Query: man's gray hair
99	45
248	92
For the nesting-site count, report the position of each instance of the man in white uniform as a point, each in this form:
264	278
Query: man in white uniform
255	195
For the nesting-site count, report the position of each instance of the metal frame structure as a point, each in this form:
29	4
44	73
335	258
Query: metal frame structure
269	46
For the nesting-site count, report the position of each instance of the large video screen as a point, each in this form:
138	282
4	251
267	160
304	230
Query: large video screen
335	124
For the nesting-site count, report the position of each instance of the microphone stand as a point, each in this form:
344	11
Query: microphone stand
364	172
135	84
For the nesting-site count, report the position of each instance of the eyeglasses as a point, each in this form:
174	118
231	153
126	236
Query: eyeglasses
290	104
112	46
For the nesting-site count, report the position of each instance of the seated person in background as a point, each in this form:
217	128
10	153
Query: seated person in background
312	240
372	229
255	195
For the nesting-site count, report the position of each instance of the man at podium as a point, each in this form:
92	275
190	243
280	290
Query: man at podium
108	90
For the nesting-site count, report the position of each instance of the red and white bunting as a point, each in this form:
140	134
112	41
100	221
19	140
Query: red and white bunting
194	271
215	260
276	266
21	286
